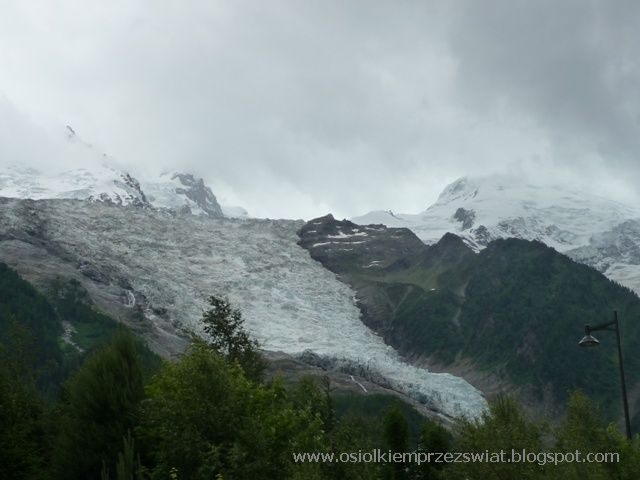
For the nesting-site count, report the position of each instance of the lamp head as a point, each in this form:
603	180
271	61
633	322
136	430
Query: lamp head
589	341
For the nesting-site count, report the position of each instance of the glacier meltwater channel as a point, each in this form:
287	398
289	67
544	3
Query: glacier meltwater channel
289	301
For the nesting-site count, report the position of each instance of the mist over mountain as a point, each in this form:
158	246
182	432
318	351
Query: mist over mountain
589	228
98	177
127	231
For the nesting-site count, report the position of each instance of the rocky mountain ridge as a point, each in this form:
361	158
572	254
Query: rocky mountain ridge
591	229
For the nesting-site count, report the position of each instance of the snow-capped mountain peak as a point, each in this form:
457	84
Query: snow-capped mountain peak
591	229
100	183
183	192
486	208
98	179
460	189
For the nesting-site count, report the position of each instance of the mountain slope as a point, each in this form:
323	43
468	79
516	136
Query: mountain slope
512	312
100	183
615	252
97	178
175	191
50	335
486	208
586	227
154	271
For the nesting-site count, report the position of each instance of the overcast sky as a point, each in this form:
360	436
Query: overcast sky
296	108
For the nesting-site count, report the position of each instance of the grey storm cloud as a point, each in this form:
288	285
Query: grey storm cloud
295	108
573	66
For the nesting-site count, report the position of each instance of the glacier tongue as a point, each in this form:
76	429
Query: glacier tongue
290	302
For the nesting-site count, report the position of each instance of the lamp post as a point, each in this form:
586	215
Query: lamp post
590	341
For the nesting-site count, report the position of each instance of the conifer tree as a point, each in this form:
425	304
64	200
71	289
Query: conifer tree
99	407
396	435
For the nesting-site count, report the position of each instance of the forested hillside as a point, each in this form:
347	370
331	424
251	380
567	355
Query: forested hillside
123	414
515	311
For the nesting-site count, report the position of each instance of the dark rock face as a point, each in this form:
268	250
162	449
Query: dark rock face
362	255
343	247
196	191
385	266
134	195
466	217
139	198
450	250
483	236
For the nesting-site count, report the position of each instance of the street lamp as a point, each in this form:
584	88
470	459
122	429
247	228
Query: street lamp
590	341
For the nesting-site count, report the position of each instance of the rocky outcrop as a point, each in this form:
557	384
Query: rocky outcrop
343	247
465	217
195	190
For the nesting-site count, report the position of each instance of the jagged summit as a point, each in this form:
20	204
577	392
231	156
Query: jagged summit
450	242
97	178
183	192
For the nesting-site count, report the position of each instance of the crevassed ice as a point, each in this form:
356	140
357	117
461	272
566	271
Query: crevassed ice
289	301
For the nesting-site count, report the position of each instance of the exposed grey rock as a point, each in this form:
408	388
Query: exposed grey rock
196	191
466	217
341	244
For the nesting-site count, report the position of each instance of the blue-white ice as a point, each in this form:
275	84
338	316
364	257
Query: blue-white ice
289	301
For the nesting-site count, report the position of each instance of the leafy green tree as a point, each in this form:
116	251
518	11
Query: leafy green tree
315	396
227	335
204	418
582	430
99	406
502	428
353	433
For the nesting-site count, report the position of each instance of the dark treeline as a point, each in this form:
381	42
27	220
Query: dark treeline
213	414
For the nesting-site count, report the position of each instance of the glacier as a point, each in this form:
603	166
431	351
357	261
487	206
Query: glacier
175	261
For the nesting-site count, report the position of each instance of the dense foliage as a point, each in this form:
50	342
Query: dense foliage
516	311
204	417
98	407
29	331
